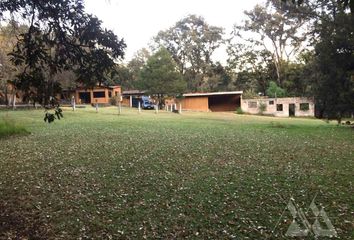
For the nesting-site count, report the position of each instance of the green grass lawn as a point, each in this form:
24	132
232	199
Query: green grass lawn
9	127
195	175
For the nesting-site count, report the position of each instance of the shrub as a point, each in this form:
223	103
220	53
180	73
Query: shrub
113	101
275	91
239	110
8	128
262	108
249	94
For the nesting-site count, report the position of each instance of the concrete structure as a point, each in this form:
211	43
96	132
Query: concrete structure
213	101
280	107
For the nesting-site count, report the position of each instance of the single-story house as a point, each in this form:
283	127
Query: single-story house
211	101
97	94
280	107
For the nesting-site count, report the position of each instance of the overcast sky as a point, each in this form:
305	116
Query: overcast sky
138	21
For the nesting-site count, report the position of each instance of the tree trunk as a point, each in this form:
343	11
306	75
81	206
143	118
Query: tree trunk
160	99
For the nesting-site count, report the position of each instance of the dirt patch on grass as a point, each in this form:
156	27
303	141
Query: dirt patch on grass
19	223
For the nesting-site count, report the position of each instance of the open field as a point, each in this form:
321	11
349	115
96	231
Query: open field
195	175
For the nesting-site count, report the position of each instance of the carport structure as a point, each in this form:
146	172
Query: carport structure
212	101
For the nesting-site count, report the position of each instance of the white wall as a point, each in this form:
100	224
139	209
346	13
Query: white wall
272	109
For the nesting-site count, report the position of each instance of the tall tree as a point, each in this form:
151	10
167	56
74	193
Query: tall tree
135	66
121	75
277	30
8	72
345	3
253	69
218	78
331	67
192	42
160	76
334	61
61	36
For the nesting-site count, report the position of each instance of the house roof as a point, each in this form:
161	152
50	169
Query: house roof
96	87
133	92
212	94
115	86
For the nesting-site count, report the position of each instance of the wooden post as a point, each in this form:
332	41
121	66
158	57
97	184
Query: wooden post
73	103
96	107
131	101
119	98
119	108
180	108
156	109
139	107
14	101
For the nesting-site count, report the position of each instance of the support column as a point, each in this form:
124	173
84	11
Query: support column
91	96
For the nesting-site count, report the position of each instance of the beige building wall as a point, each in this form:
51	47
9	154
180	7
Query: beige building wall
252	106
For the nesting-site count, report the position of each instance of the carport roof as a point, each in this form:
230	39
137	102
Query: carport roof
212	94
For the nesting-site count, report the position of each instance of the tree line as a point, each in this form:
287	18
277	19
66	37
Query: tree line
282	48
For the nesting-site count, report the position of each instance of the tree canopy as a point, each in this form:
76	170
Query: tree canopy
60	36
160	76
334	62
192	42
275	91
270	29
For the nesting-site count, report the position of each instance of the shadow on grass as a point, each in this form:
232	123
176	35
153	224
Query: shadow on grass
280	125
19	224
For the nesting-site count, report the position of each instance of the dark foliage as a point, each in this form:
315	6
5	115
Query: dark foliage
61	36
50	117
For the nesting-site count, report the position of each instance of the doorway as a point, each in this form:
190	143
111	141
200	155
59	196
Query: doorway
291	110
223	103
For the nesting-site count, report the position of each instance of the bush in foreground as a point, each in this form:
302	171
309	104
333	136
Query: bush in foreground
8	128
239	111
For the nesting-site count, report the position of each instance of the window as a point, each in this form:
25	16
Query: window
99	94
252	104
109	94
304	106
279	107
271	102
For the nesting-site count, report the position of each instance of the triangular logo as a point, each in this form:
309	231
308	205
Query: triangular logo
316	226
295	229
300	226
